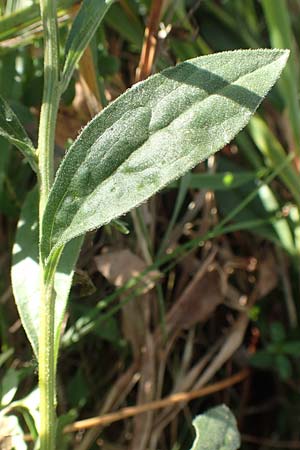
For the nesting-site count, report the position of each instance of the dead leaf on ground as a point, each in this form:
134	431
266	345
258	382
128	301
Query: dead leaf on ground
267	278
118	267
197	302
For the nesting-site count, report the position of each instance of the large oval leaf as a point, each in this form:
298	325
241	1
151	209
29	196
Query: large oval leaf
153	134
216	430
25	273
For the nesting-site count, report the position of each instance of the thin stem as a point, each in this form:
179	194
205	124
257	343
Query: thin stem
51	96
47	369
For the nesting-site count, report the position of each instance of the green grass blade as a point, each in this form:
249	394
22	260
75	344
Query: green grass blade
281	36
12	130
15	24
85	25
274	154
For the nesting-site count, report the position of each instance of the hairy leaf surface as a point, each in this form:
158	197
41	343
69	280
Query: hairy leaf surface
216	430
25	273
85	24
153	134
13	131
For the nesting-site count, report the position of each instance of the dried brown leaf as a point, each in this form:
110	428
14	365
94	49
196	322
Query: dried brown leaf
197	303
267	275
120	266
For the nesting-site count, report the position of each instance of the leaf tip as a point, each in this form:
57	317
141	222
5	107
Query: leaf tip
284	55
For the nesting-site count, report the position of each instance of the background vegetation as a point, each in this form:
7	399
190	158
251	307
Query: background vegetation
197	286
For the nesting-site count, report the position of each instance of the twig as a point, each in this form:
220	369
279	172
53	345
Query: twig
114	398
124	413
158	404
231	344
150	41
88	79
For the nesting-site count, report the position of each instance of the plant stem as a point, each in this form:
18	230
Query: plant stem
50	100
47	369
51	95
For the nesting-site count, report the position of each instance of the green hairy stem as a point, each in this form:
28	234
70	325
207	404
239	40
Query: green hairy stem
46	172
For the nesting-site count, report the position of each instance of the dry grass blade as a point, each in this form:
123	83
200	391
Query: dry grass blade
150	41
231	344
142	425
114	398
158	404
88	79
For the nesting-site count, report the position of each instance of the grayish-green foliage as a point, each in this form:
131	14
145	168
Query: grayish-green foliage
13	131
84	26
25	273
216	430
153	134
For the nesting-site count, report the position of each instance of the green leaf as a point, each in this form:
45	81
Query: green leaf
264	207
26	274
63	282
153	134
263	359
220	181
85	24
29	408
277	332
275	154
216	430
4	160
13	131
6	355
64	440
9	386
291	348
280	29
284	367
128	27
24	21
